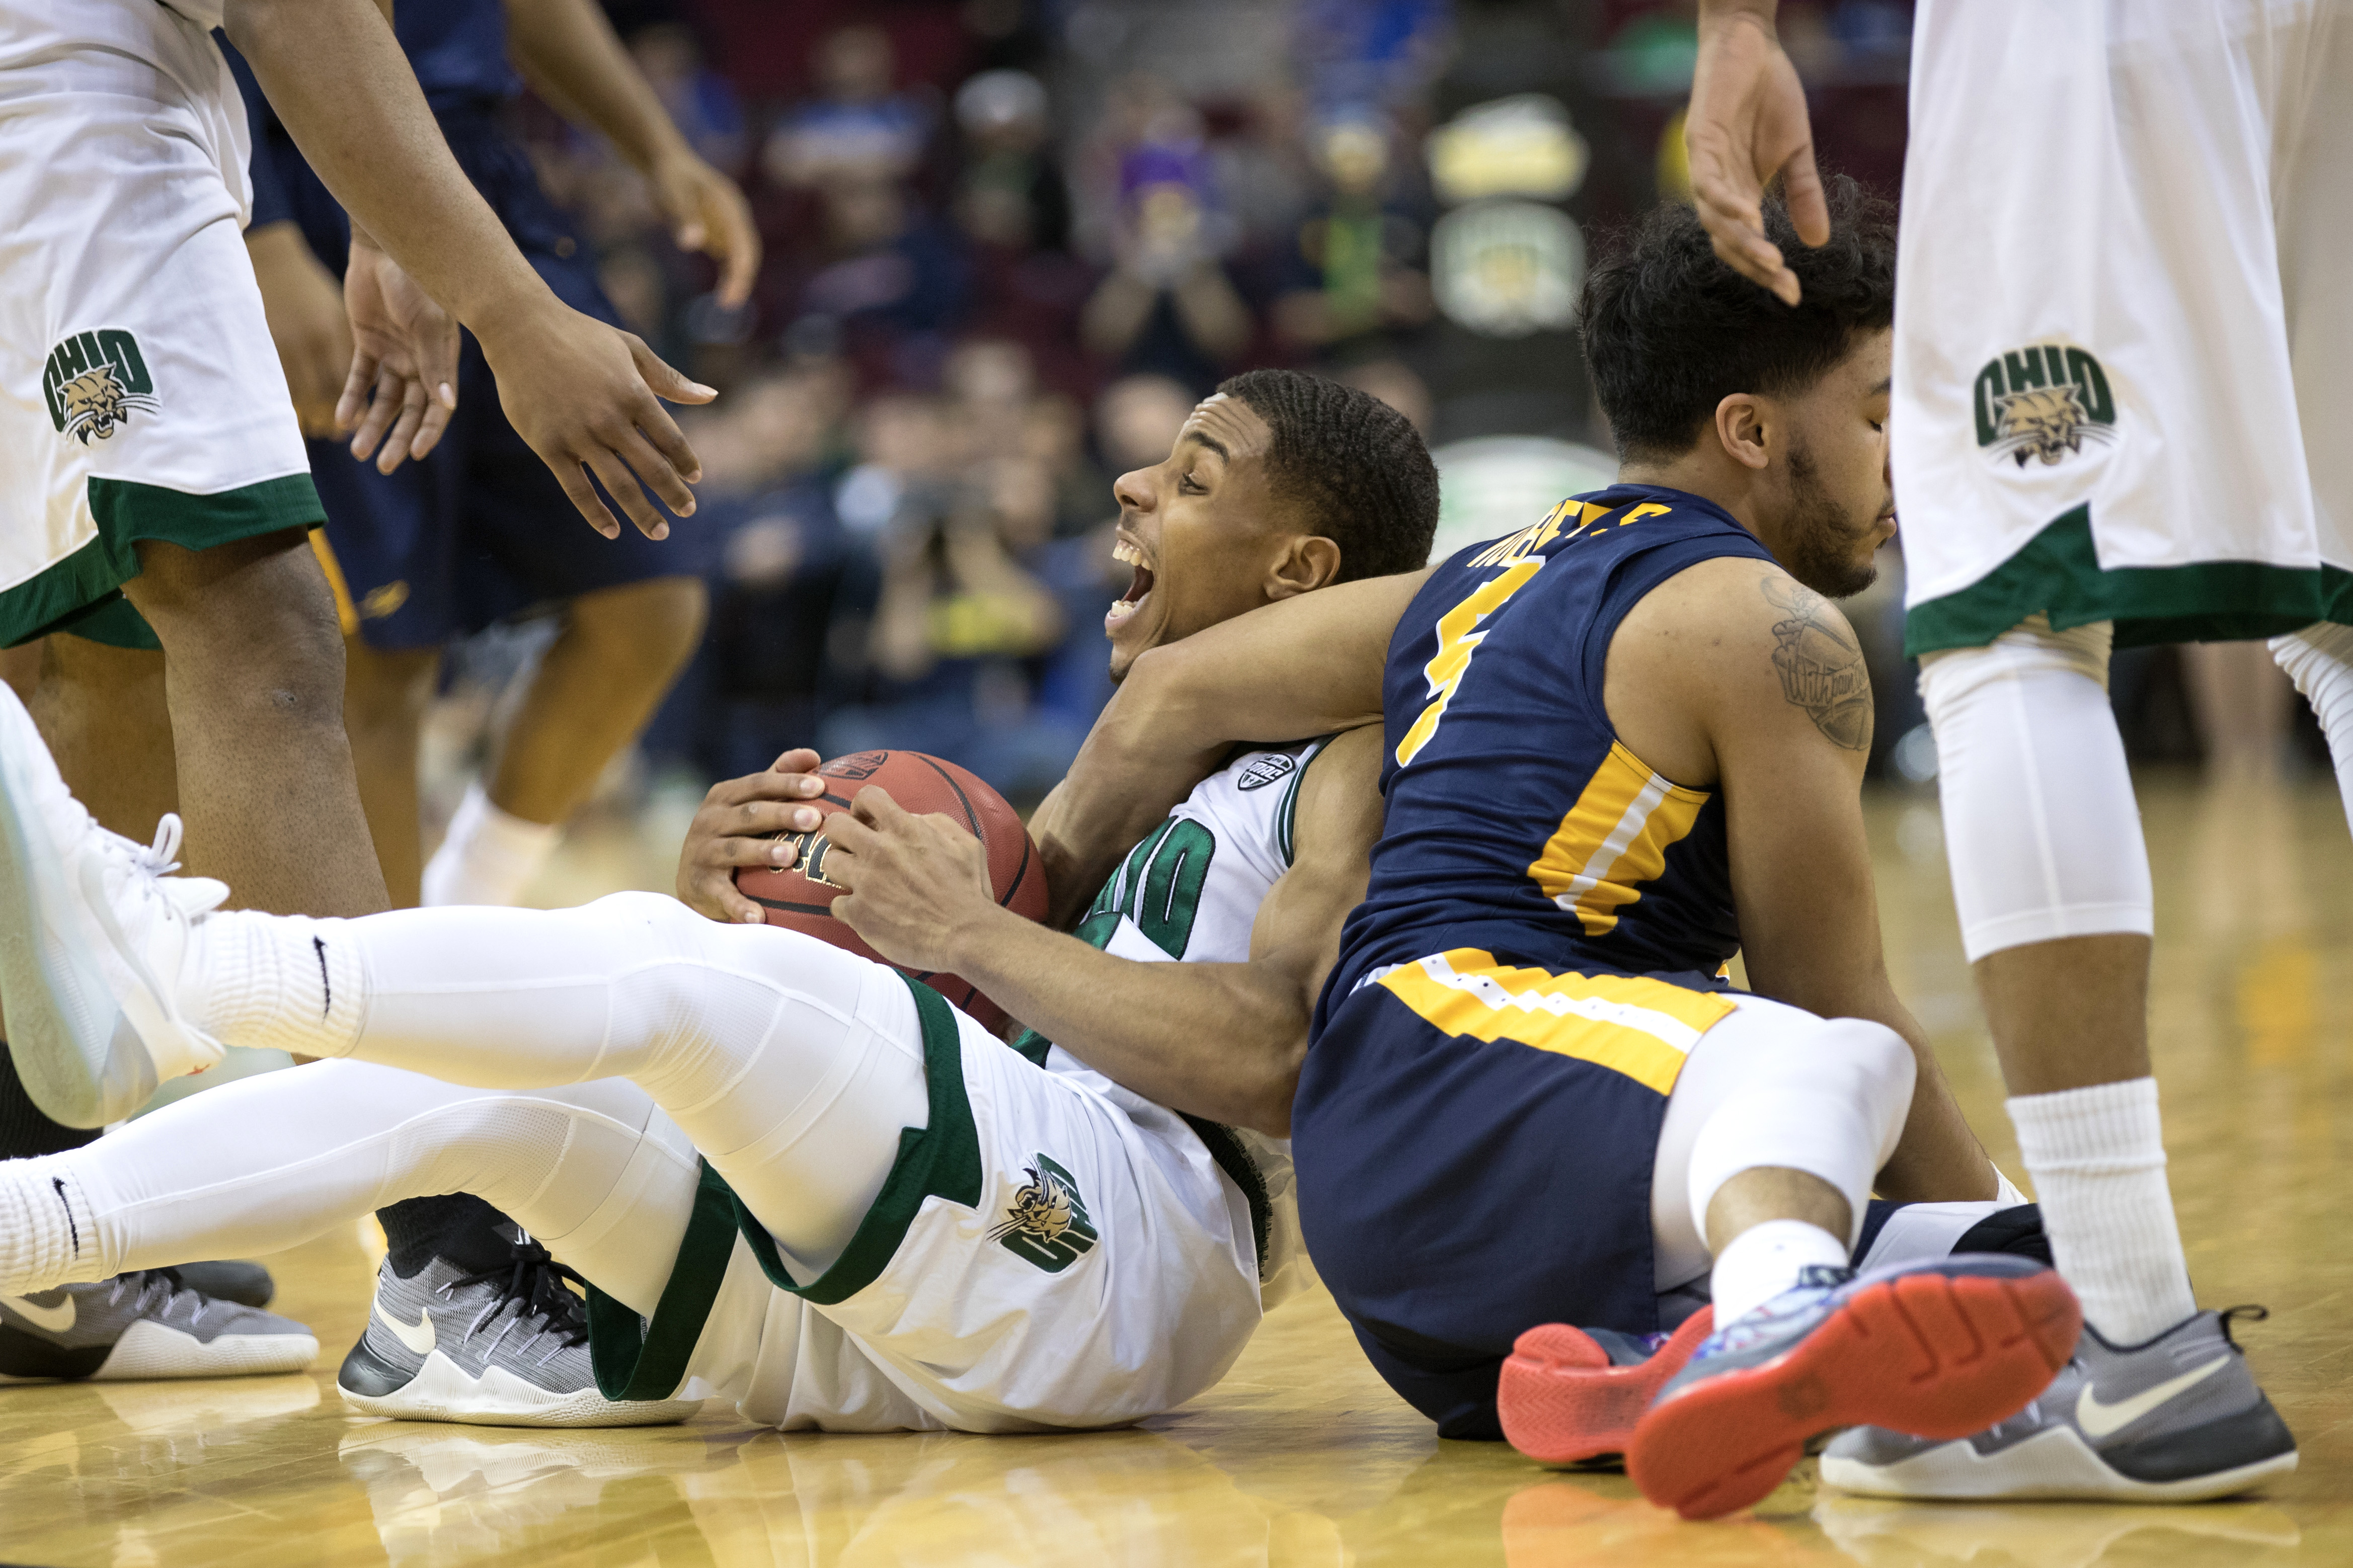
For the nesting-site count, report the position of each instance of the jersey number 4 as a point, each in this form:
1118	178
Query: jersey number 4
1459	638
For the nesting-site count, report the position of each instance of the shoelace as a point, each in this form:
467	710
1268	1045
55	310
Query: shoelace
532	1282
152	1281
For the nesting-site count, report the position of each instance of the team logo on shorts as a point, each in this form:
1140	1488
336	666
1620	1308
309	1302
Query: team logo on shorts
1047	1223
1267	769
2043	402
94	380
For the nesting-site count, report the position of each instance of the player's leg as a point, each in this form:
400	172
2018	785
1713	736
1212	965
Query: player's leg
612	661
594	1174
385	691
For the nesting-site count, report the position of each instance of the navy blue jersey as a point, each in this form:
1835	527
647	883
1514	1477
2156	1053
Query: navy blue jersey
1517	822
459	50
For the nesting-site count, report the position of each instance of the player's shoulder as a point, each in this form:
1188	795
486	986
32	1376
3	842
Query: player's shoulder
1732	630
1335	800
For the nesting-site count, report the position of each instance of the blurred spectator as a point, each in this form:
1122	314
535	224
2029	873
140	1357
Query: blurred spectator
1394	382
1356	263
700	102
888	279
1137	418
1010	193
1167	307
857	131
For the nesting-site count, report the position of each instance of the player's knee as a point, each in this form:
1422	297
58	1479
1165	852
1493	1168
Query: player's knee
1949	679
254	614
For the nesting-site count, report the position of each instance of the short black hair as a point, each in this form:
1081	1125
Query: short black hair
1356	465
1670	331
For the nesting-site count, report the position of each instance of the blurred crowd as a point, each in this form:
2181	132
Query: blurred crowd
1009	242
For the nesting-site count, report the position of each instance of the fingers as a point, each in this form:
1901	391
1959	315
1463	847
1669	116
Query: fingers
712	892
1801	192
623	487
404	430
383	409
737	247
583	495
437	410
799	760
873	804
665	381
657	472
349	406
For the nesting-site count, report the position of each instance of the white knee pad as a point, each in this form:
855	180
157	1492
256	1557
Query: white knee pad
1828	1098
2041	826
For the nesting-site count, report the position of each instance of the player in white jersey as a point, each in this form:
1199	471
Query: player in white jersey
791	1176
2124	350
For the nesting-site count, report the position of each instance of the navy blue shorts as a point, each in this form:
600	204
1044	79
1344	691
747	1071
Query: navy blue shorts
1474	1144
480	530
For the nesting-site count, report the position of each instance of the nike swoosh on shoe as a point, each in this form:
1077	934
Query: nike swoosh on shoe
2100	1420
56	1320
417	1337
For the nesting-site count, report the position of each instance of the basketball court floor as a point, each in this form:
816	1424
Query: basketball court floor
1301	1458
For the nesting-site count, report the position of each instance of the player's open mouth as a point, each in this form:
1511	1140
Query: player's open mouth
1138	589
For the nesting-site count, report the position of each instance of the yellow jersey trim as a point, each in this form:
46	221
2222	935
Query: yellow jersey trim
1614	838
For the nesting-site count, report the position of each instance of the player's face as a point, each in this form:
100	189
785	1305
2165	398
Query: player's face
1838	500
1200	530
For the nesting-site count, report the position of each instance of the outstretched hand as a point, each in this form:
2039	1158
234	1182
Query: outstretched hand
587	398
404	377
1747	123
737	827
918	886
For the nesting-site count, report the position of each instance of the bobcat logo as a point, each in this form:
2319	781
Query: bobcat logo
1045	1224
94	380
2043	403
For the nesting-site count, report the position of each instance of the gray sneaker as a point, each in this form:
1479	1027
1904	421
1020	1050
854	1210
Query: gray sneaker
146	1324
2178	1419
501	1346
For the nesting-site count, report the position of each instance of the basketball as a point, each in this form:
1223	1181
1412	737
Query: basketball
799	898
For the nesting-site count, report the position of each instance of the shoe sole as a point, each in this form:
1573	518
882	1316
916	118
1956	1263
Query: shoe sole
1933	1354
157	1352
441	1392
1562	1401
2056	1466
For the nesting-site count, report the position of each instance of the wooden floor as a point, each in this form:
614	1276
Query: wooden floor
1302	1457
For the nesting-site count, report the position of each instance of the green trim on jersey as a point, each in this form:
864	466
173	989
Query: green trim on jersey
2058	573
78	594
1286	816
942	1159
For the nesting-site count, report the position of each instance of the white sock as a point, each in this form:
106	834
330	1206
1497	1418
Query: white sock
1764	1260
2319	658
275	981
47	1235
2097	1159
490	857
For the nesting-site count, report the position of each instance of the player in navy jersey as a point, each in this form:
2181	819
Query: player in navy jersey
422	552
1625	743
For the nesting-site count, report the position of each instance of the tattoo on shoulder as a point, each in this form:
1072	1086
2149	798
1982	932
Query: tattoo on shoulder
1819	664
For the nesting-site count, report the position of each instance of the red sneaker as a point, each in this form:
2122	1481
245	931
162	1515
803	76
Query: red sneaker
1567	1395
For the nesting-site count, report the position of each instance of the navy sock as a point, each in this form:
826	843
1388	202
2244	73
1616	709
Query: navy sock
460	1226
24	1130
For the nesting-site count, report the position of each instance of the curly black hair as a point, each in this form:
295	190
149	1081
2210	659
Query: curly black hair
1356	465
1670	331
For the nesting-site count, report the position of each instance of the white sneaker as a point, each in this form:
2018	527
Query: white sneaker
92	932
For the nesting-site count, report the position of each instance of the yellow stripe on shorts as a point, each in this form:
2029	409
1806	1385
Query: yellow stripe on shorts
347	614
1641	1027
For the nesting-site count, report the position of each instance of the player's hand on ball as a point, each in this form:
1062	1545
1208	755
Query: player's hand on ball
404	376
734	828
588	399
918	885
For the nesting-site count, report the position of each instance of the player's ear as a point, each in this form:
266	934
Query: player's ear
1741	421
1308	562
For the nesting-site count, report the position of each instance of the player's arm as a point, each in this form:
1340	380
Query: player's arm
1748	125
1775	679
567	51
1305	666
1220	1040
580	393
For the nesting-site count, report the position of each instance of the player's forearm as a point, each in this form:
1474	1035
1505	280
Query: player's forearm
1218	1040
569	54
340	84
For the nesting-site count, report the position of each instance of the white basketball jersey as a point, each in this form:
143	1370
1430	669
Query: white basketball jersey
1191	892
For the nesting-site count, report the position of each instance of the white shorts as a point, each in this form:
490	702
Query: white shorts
1045	1256
2124	341
140	395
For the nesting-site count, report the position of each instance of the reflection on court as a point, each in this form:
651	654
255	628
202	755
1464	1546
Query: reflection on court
1301	1458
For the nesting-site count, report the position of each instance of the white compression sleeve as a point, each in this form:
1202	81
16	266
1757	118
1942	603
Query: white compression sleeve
1773	1085
2041	826
2319	659
791	1065
594	1171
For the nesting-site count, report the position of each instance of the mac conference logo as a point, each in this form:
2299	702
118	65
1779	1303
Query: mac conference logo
2043	402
